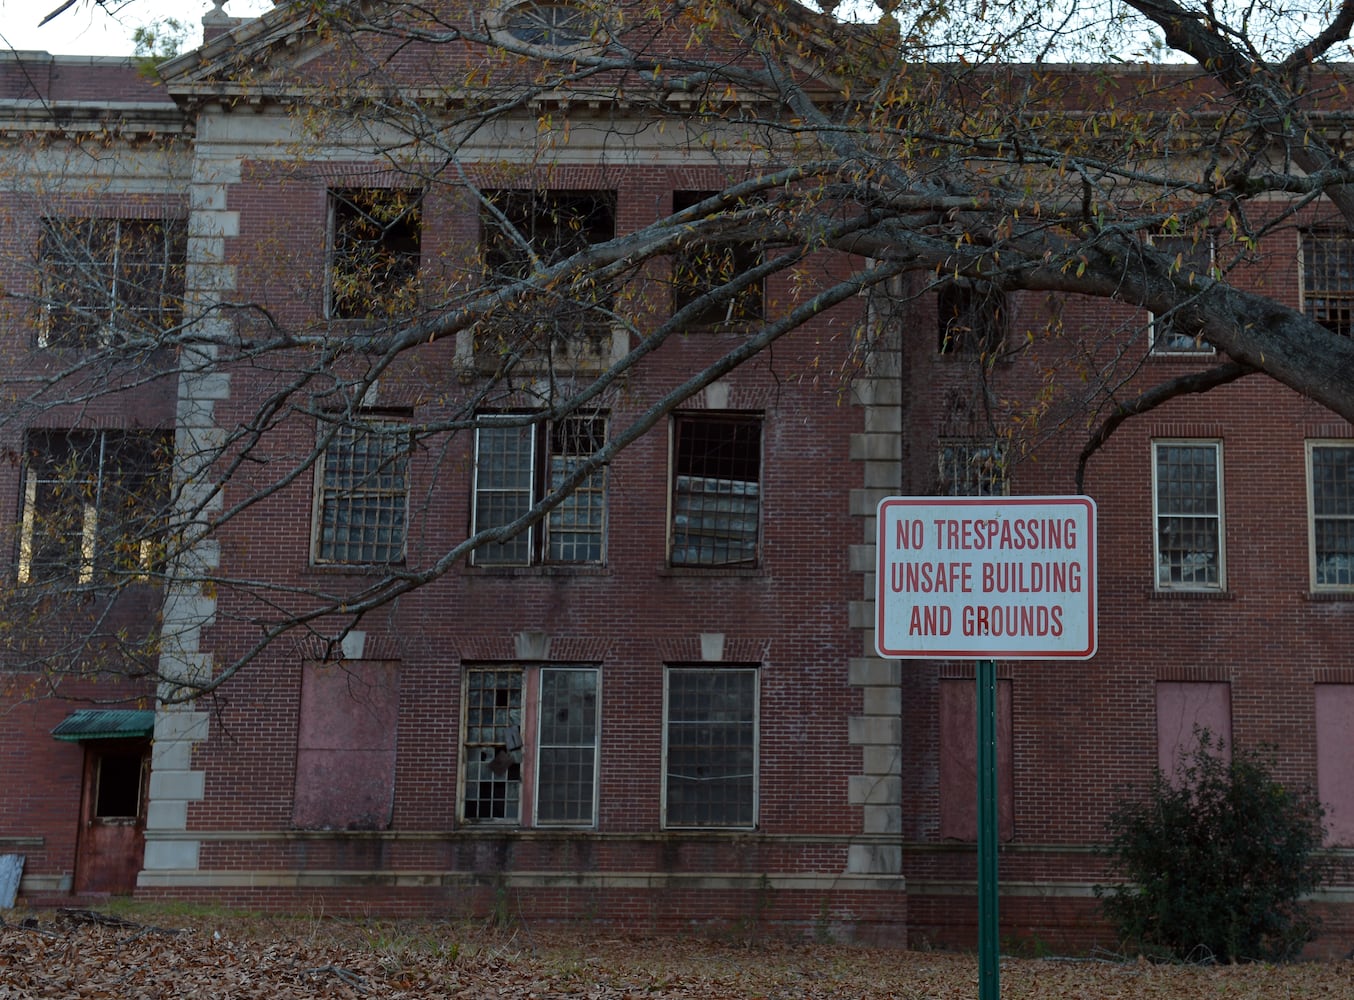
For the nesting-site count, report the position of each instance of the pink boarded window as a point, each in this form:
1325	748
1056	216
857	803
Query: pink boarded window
345	753
959	761
1184	710
1335	760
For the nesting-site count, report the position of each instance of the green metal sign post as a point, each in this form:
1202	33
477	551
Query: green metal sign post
989	945
986	578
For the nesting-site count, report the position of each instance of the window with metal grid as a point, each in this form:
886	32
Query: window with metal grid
1328	280
566	750
94	504
514	465
106	280
716	490
969	469
1188	515
492	750
1332	491
364	494
710	778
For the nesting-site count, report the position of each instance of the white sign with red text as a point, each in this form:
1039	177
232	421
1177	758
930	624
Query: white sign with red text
986	578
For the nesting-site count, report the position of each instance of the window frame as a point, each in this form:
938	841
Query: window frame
1330	307
712	539
754	779
1156	325
590	496
1313	556
977	299
1215	444
524	748
945	468
94	562
690	262
365	422
57	262
345	209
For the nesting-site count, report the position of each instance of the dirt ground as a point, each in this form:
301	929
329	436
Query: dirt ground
145	954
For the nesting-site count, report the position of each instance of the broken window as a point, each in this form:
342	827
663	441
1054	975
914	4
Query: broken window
105	281
710	745
531	735
1192	258
1328	280
95	504
524	230
120	778
375	237
363	496
554	25
702	268
716	490
972	317
515	466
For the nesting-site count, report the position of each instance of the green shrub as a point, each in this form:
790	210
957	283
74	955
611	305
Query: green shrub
1217	859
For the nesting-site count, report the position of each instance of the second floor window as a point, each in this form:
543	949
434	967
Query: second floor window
515	466
375	237
1187	477
1328	280
1192	257
362	499
716	490
105	281
94	505
1331	489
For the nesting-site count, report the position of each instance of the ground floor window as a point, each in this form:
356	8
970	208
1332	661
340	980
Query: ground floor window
530	745
710	744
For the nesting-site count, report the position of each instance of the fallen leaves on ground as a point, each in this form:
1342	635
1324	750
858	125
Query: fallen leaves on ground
82	954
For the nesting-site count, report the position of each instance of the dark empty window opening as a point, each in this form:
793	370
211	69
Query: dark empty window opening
374	248
972	316
700	269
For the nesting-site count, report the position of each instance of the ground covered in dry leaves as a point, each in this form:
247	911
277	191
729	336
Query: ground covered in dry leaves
81	954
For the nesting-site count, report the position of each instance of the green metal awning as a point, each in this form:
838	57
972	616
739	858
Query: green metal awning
106	724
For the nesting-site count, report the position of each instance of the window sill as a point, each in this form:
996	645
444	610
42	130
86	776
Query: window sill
541	569
1330	596
1191	595
705	572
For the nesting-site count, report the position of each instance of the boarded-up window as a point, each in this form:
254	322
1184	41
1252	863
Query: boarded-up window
345	755
1185	710
959	760
1335	760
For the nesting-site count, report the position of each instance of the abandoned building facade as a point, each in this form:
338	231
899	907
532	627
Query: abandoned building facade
661	704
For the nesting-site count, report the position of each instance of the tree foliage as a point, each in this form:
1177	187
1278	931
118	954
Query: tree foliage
864	167
1218	857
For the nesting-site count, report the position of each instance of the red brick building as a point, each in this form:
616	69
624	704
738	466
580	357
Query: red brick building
662	705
